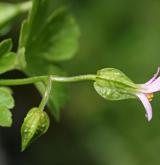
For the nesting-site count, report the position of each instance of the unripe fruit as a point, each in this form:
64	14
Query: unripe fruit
35	124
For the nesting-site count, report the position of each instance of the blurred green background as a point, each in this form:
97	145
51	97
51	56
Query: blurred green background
124	34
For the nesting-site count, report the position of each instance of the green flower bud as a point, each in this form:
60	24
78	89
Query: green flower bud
35	124
112	84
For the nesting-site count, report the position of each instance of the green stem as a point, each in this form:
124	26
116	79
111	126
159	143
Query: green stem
74	78
54	78
46	94
23	81
49	79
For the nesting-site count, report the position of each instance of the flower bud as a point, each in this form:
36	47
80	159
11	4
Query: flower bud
35	124
112	84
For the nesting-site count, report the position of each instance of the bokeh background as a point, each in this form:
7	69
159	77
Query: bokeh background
124	34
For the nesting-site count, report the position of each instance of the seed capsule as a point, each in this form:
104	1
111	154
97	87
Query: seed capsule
35	124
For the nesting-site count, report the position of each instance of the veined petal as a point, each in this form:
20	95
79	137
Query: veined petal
143	98
154	77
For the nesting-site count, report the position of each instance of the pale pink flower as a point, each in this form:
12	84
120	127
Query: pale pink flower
145	93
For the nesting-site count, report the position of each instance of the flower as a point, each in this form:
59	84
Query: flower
145	93
112	84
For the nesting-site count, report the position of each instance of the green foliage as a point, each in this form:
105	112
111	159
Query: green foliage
35	124
8	60
45	39
6	103
5	46
112	84
8	13
57	36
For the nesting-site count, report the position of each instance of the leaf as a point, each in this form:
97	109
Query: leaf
57	37
56	32
8	62
6	99
65	32
112	84
8	13
35	124
5	46
45	39
6	103
5	117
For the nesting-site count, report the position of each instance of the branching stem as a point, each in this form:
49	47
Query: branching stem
49	79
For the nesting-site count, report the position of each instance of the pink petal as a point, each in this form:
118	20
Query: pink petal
146	104
153	87
154	77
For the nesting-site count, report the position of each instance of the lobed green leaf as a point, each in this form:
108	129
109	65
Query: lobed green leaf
6	103
45	39
57	37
